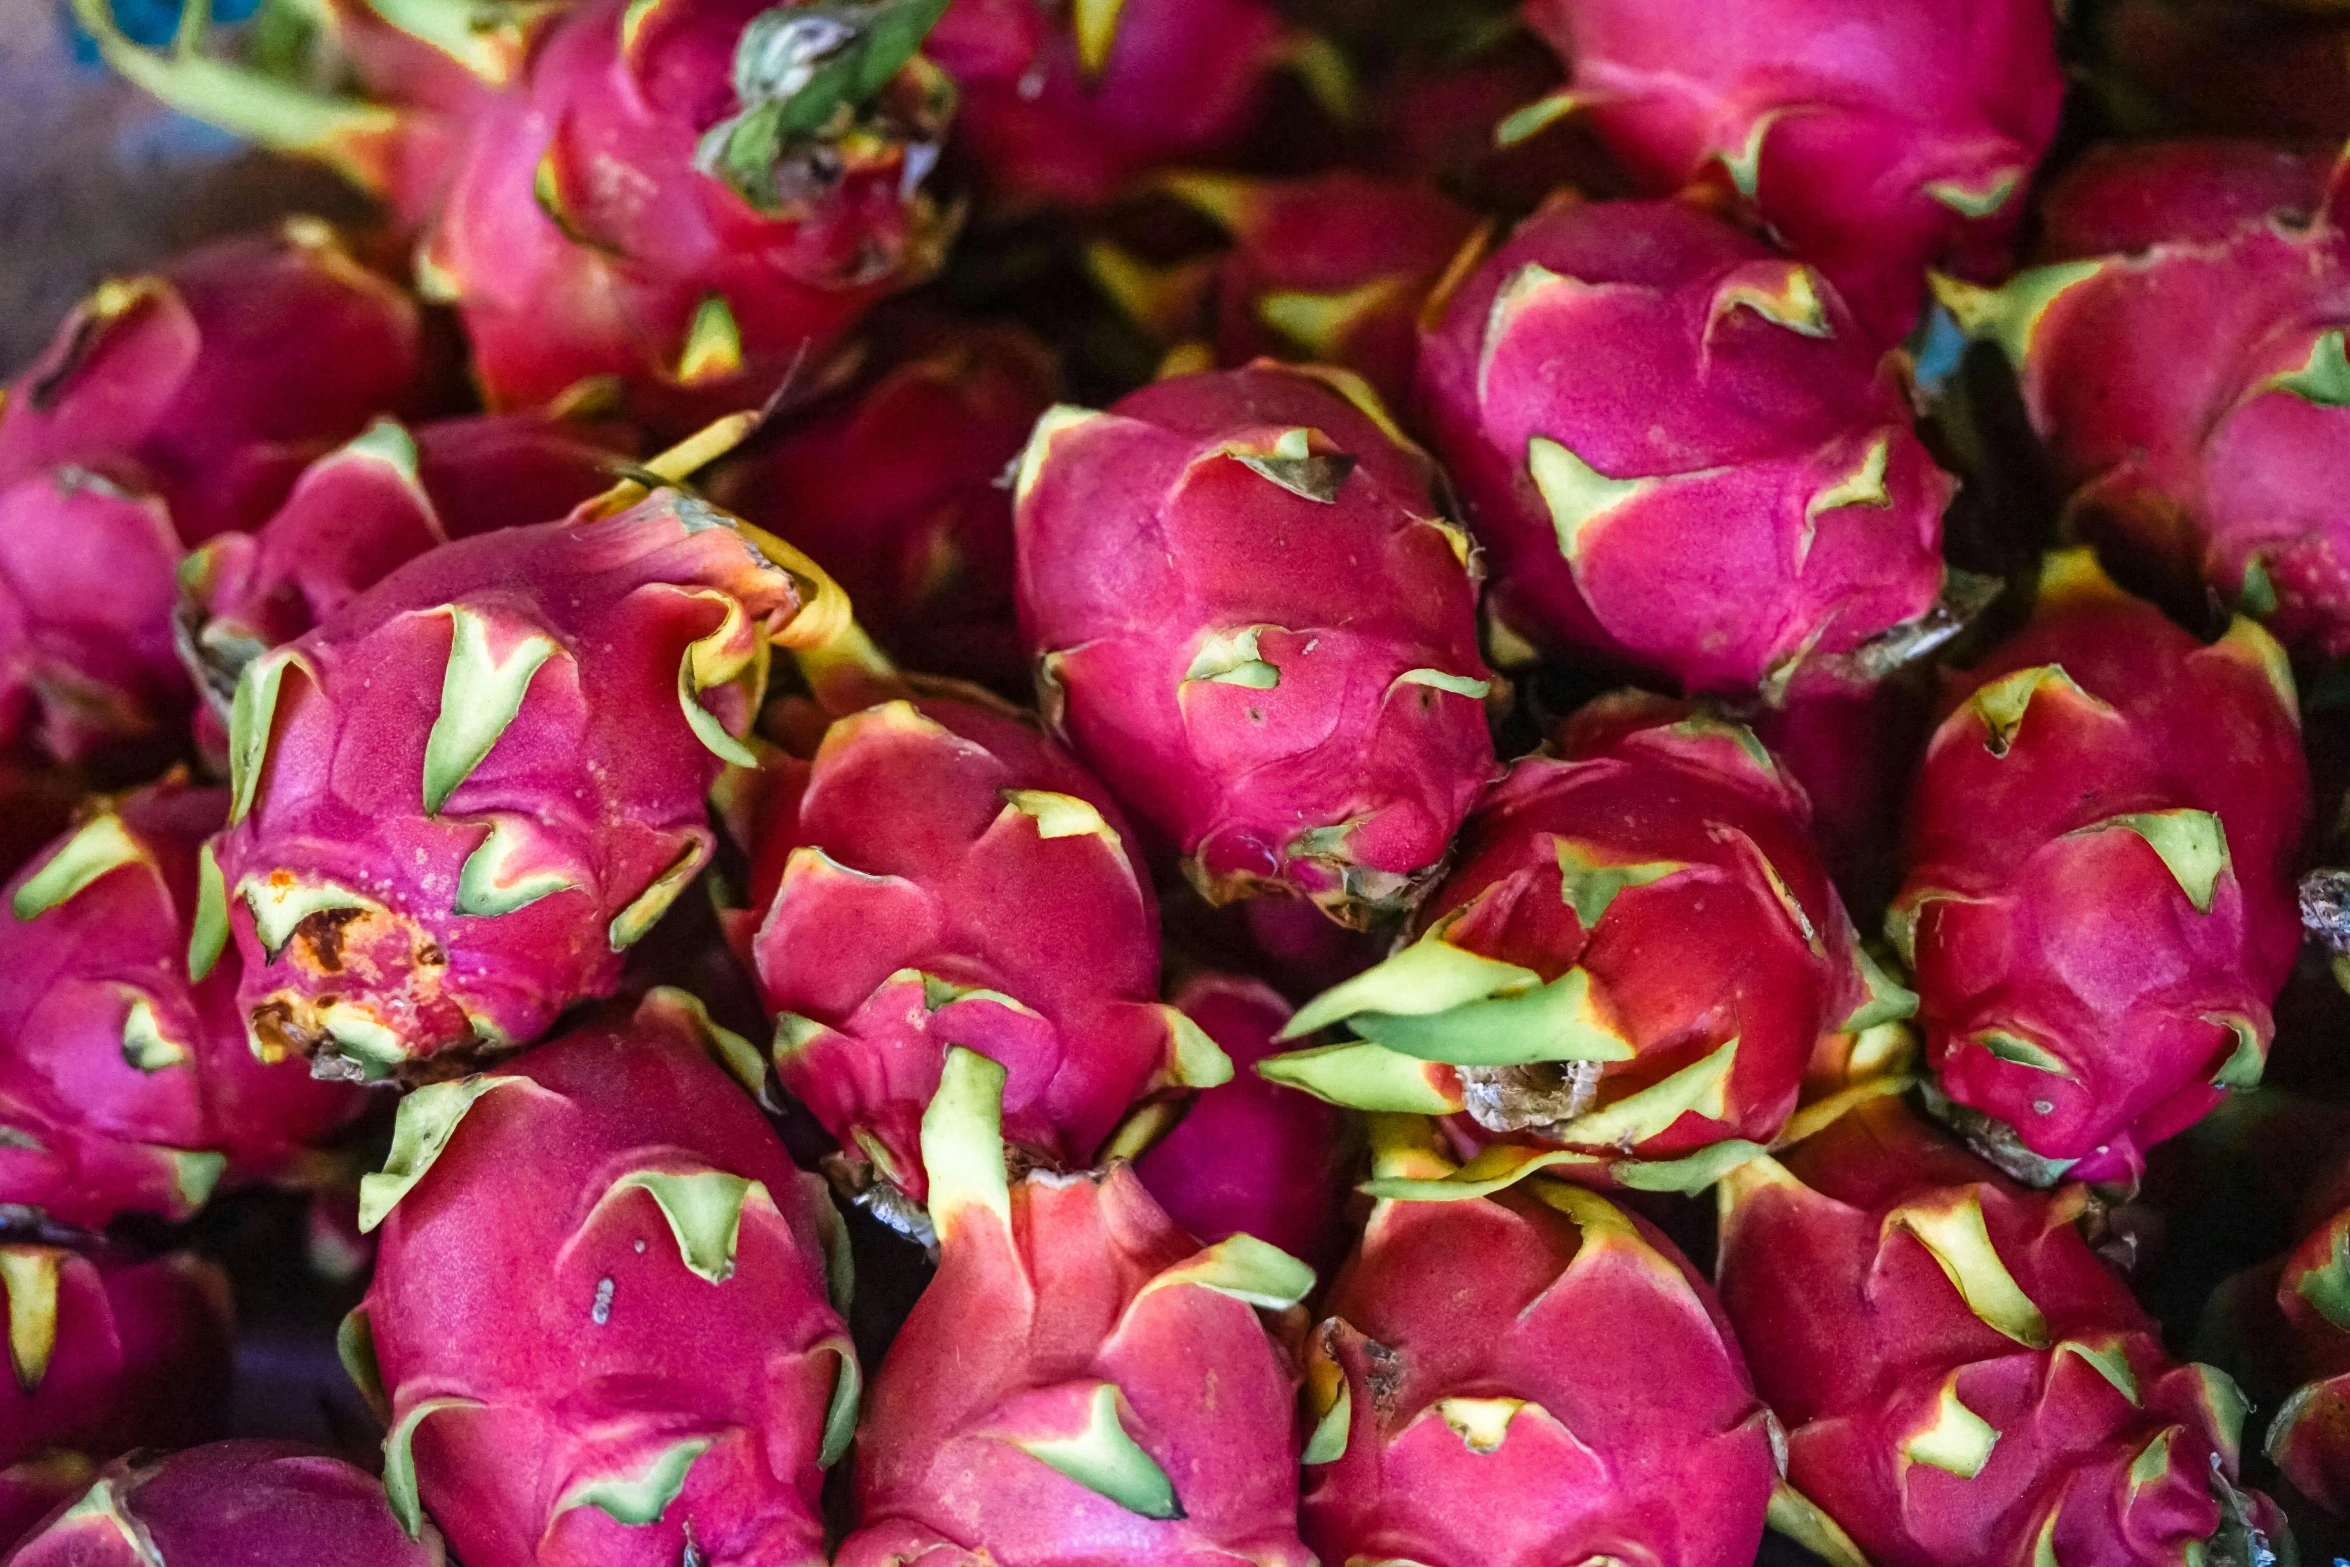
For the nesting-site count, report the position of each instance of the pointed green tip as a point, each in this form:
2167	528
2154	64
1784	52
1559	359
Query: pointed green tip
963	1141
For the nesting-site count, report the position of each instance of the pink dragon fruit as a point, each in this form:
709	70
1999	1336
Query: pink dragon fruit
1626	973
88	669
2309	1438
668	1373
941	873
1287	705
1765	406
1962	1378
462	797
1250	1156
1082	1385
1065	105
1462	1420
211	383
2182	355
1331	269
681	203
125	1086
201	1508
2098	905
1876	139
168	409
370	507
107	1355
895	491
786	145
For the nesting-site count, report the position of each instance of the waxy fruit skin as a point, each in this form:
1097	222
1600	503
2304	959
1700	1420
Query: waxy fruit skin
2097	900
1877	140
669	1365
1963	1380
1252	621
1464	1420
126	1086
106	1355
203	1507
1082	1384
459	799
1763	506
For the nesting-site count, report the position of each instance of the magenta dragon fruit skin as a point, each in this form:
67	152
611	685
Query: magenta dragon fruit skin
669	1371
106	1355
2098	904
1876	139
203	1508
895	491
211	383
88	669
1625	976
1251	1156
2181	353
371	506
1762	402
1066	107
943	873
1963	1379
1082	1384
125	1085
169	409
1253	622
673	205
1463	1419
463	796
620	219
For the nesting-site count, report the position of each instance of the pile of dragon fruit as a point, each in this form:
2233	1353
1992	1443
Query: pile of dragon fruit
1194	783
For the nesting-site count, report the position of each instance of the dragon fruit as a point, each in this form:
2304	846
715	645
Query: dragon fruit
1082	1385
212	383
462	797
168	409
1962	1378
1289	707
895	491
669	1373
202	1508
678	203
125	1086
2098	903
1250	1156
108	1355
88	669
1461	1420
1625	975
372	506
1331	269
788	145
2309	1438
1875	139
942	873
1764	405
2181	352
1066	104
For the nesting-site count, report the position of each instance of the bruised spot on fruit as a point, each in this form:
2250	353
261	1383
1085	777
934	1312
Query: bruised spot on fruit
1535	1097
1383	1374
320	934
274	1035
